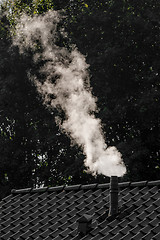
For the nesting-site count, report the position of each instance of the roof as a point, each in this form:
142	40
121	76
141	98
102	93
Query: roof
52	213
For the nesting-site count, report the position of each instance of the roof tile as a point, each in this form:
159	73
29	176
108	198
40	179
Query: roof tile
139	184
154	183
90	186
156	229
157	236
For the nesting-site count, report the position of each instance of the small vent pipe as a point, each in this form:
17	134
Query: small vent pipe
113	208
84	224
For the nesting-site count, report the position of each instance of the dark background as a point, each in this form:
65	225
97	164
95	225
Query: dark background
121	42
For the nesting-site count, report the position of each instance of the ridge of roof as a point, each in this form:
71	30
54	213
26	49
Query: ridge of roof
84	187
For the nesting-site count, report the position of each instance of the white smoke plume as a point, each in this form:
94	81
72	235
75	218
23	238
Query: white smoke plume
71	90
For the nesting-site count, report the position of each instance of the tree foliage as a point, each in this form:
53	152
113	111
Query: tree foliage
120	40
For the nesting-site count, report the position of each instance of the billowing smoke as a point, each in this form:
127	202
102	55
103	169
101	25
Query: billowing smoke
70	91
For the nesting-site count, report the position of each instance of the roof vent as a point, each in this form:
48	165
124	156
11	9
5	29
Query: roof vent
113	208
84	224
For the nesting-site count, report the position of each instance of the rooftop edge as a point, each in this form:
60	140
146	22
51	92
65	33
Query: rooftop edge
84	187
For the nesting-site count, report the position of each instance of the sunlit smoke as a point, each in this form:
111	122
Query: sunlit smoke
70	91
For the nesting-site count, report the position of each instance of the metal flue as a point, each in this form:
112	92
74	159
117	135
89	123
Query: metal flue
113	208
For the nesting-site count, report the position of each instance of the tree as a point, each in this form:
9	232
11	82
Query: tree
30	141
120	40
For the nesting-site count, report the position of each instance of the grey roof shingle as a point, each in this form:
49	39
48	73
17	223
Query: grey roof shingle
52	213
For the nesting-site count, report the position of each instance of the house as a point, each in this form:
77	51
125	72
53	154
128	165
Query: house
82	212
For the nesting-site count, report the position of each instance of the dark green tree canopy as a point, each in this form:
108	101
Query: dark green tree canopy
120	40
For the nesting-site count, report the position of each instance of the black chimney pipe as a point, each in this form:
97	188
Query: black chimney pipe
113	208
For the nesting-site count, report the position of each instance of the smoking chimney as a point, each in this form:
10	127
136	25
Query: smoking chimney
113	208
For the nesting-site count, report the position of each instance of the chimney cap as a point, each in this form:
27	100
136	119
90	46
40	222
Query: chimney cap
86	218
